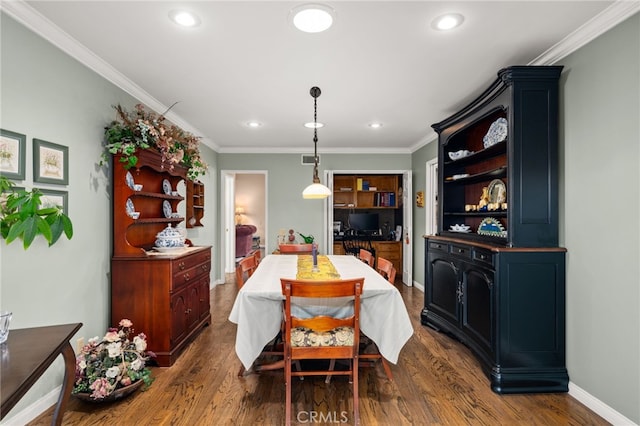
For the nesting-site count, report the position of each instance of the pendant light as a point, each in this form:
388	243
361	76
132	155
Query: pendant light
316	190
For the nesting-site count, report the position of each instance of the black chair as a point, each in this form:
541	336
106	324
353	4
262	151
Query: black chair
353	244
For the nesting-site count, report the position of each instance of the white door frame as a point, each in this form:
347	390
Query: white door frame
431	199
228	224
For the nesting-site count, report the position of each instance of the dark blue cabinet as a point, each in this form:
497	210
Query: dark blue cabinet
495	276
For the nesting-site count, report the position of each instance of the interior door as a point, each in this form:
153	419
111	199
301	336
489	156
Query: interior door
328	225
407	232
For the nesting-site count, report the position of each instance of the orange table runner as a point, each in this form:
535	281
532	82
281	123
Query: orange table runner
326	270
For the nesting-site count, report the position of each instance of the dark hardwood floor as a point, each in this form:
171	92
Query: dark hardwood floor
436	382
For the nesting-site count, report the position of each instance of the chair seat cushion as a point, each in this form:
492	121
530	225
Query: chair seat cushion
302	337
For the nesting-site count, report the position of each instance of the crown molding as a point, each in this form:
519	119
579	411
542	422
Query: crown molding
32	19
36	22
305	150
596	26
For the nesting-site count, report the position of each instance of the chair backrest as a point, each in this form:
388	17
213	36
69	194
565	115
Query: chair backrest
258	255
353	245
367	257
322	323
296	248
386	269
246	266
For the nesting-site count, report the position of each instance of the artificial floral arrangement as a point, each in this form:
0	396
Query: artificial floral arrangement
142	129
113	362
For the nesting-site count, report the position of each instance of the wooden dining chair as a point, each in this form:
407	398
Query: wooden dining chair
258	255
388	271
367	257
245	267
296	248
321	337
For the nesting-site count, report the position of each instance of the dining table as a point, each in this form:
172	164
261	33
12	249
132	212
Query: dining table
258	307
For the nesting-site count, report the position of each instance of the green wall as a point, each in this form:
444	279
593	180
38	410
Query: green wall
287	178
600	188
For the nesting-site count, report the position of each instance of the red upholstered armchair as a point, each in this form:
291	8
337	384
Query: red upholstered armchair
244	239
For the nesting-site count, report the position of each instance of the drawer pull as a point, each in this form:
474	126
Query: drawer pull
186	276
181	266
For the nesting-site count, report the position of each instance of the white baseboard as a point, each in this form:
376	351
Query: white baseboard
419	286
599	407
34	410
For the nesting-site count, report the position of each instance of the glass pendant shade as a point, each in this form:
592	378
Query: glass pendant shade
316	191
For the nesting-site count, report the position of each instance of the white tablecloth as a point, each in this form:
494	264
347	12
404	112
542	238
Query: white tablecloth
258	307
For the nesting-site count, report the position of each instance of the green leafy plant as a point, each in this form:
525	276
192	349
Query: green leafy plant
142	129
23	217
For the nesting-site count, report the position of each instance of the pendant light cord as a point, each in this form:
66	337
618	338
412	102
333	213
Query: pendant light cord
315	92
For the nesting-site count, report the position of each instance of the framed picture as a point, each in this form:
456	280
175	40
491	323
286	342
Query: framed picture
12	154
52	198
50	162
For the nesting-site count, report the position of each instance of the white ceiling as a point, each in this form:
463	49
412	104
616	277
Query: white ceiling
381	61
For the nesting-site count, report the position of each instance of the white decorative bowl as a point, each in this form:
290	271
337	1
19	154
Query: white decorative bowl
169	237
456	155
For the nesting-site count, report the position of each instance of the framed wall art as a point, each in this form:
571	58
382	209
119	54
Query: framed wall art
50	162
52	198
12	154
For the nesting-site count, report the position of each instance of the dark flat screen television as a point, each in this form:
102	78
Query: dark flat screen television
366	223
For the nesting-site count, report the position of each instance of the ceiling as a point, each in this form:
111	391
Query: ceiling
380	61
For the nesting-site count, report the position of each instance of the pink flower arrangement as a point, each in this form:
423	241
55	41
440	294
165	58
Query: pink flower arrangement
113	362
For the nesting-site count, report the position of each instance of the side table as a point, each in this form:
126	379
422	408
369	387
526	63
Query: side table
27	354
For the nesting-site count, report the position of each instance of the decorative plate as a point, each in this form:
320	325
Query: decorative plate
129	179
130	207
491	227
497	132
497	191
166	187
166	209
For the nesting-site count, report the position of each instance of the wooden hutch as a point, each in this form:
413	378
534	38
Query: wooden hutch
166	295
495	276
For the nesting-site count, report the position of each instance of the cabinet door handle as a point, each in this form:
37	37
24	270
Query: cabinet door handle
459	292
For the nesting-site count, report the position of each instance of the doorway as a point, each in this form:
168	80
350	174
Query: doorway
407	216
245	201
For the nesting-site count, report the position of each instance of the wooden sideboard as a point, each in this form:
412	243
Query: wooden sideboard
166	297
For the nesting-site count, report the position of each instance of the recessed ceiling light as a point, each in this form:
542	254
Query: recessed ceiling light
184	18
254	124
312	125
447	22
312	18
375	125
